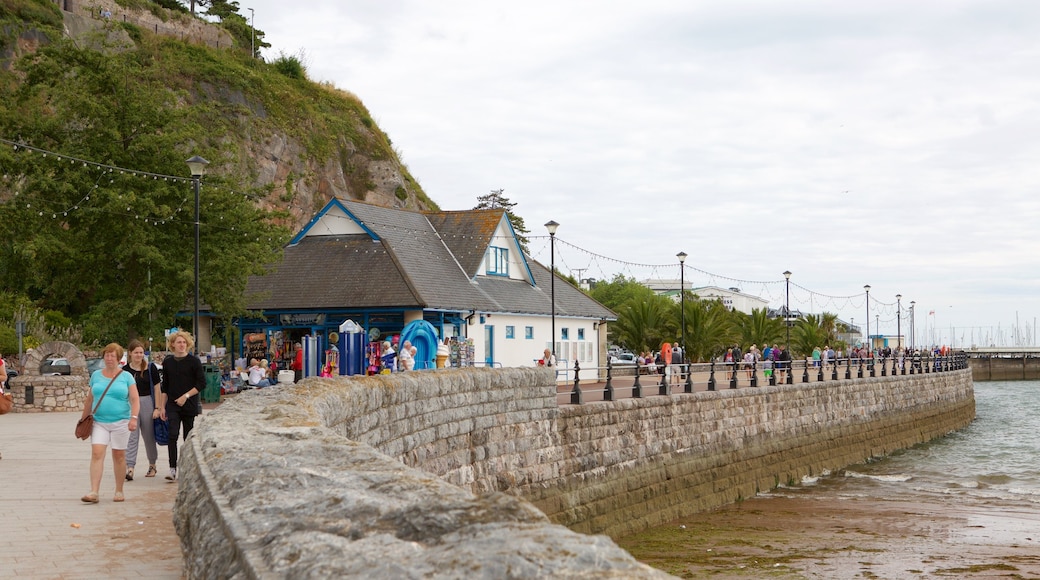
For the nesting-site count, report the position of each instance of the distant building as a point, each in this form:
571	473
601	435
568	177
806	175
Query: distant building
732	298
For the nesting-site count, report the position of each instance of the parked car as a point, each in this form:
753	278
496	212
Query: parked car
55	366
94	364
624	358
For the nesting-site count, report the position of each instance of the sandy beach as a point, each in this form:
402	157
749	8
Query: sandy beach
806	537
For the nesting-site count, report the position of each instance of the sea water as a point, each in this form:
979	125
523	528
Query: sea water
994	462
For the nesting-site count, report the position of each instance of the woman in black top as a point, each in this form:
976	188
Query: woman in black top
183	380
148	381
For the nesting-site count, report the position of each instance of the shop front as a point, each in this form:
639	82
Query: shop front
277	336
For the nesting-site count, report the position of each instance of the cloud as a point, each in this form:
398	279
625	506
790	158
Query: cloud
888	143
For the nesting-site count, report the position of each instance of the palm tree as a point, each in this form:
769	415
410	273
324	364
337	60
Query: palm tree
807	334
642	323
758	328
709	329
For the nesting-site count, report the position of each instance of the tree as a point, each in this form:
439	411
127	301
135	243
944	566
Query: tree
112	249
497	200
807	334
709	329
237	25
642	323
619	291
758	328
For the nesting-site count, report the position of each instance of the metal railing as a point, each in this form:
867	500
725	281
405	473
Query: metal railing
638	381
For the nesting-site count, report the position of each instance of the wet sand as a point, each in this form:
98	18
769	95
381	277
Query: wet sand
807	537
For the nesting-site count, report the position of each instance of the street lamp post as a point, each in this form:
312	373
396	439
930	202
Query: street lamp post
913	319
551	226
787	309
197	166
252	34
870	343
899	321
682	300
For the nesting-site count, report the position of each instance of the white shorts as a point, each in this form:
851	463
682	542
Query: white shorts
117	434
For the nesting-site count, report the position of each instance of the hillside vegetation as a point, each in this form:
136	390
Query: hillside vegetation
106	254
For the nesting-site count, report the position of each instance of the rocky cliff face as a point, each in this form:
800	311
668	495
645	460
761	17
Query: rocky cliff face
299	158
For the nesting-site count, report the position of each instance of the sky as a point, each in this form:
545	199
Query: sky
890	144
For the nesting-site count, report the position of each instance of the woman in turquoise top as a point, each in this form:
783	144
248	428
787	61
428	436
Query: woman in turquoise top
114	418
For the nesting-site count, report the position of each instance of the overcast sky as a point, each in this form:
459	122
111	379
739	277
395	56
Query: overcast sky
885	143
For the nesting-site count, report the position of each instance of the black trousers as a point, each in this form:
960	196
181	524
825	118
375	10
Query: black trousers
176	416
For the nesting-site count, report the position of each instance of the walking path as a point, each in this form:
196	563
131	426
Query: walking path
47	532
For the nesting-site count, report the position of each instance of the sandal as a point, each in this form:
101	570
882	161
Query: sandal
118	496
151	471
91	497
130	474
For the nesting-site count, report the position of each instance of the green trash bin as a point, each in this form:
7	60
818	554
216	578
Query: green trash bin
211	394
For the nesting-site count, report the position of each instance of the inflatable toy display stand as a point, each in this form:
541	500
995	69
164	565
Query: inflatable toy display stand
423	337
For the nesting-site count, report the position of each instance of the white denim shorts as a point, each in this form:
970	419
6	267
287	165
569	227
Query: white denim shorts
117	434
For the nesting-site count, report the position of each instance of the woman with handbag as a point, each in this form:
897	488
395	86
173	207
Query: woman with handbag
114	418
147	378
183	380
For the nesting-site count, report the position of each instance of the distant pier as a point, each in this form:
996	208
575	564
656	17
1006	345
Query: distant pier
1004	363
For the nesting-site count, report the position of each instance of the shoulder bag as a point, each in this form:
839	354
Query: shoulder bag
160	427
85	426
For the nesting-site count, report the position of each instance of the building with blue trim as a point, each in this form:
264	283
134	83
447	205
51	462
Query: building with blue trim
463	272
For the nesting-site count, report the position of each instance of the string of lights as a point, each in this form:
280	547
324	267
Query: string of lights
606	267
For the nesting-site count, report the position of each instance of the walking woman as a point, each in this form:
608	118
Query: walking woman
183	380
146	375
113	400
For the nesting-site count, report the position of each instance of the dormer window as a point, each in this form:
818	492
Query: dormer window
497	261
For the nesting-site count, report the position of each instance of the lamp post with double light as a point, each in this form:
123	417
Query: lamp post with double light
197	166
551	226
899	322
787	309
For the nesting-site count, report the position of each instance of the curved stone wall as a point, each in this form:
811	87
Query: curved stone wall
419	474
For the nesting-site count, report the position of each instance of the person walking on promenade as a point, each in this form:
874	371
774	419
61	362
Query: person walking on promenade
297	363
677	364
183	380
115	416
3	382
146	377
666	360
783	364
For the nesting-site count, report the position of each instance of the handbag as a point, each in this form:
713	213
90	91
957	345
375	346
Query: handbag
160	427
85	426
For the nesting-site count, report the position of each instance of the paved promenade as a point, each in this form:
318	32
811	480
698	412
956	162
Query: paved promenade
47	532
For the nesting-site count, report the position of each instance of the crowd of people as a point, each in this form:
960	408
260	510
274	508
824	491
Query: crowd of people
128	400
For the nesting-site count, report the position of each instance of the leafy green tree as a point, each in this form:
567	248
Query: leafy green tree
619	291
497	200
238	25
112	249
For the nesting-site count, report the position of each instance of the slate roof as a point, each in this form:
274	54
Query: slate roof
467	234
412	265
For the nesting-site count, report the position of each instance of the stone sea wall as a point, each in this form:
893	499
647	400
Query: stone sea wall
440	473
1016	367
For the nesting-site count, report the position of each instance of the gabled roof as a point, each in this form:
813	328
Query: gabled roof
467	234
358	255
